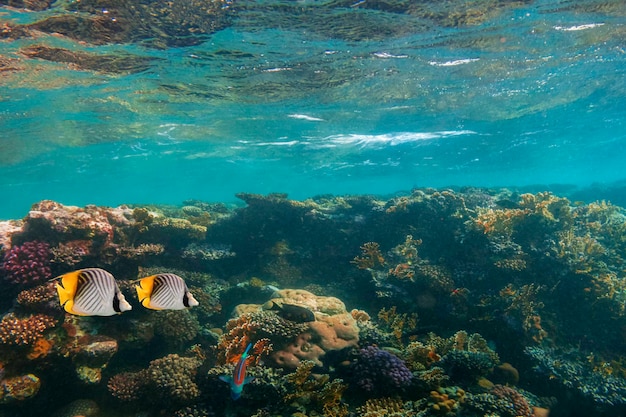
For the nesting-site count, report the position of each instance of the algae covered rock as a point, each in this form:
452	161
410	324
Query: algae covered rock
19	388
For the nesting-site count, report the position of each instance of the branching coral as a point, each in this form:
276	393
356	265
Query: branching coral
27	264
18	332
40	298
251	327
370	257
128	386
316	392
387	407
398	324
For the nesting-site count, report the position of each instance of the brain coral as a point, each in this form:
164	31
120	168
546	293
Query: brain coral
334	328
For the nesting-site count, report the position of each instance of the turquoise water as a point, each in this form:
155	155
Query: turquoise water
311	98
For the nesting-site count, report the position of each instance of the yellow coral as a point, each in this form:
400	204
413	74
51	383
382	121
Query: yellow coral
370	256
388	407
399	324
316	391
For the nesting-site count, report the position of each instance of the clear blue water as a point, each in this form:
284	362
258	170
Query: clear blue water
526	94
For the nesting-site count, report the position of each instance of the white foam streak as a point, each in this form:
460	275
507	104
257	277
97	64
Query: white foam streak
452	63
305	117
579	27
390	139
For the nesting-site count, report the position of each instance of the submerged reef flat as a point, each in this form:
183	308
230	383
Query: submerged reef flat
469	302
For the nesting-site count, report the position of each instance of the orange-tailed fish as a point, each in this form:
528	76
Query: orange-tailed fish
91	292
239	378
164	292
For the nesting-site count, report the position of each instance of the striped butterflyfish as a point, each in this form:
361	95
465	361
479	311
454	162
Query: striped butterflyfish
91	292
164	292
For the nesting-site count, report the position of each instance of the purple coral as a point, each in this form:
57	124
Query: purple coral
27	264
377	370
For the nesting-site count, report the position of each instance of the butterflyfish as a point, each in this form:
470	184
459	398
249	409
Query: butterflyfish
164	292
91	292
239	378
291	312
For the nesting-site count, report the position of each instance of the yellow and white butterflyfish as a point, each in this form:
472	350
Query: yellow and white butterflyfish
164	292
91	292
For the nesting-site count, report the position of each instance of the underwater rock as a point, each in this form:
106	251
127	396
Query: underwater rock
108	63
61	223
9	228
96	350
18	388
35	5
92	356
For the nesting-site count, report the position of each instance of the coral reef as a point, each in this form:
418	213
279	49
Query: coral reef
572	370
463	365
509	266
503	400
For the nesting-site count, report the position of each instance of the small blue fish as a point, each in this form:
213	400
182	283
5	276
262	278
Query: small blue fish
239	378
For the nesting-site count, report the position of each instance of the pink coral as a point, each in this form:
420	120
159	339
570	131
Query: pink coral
521	408
27	264
19	332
